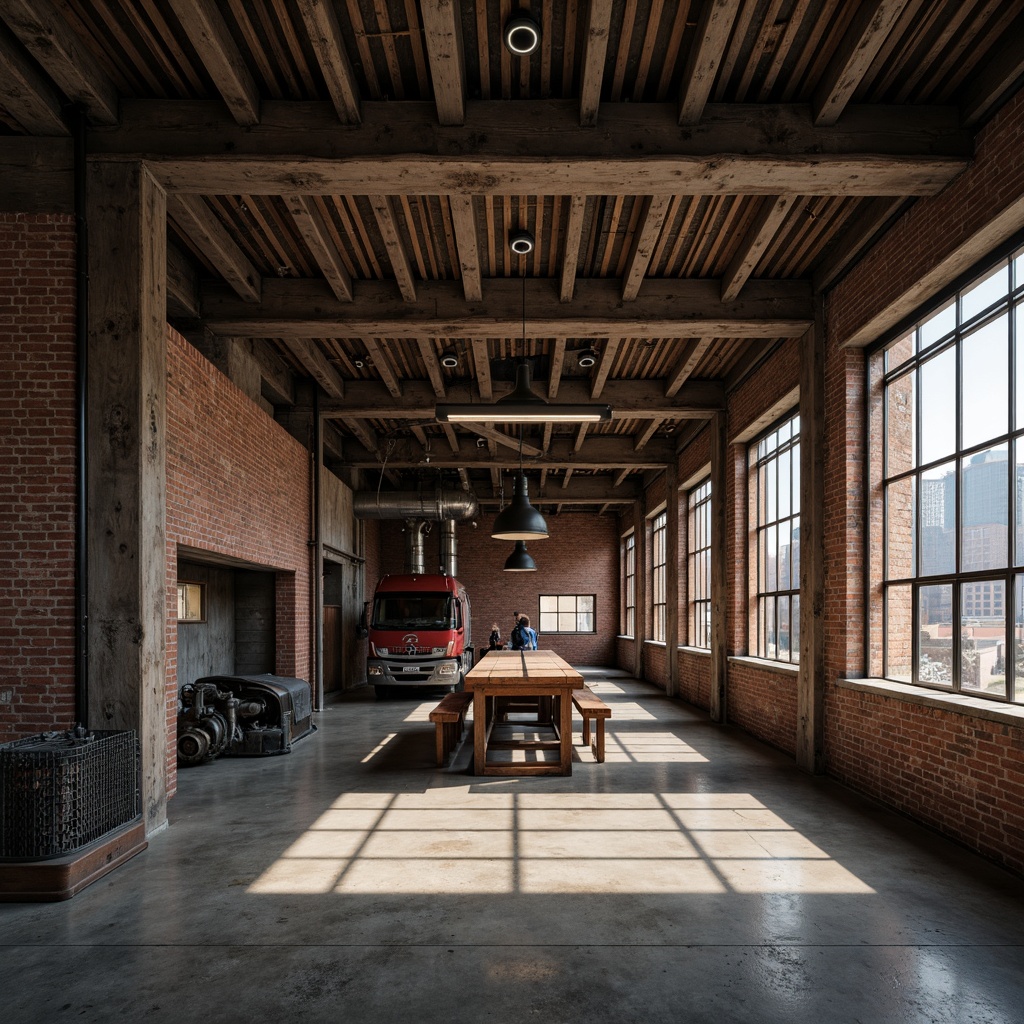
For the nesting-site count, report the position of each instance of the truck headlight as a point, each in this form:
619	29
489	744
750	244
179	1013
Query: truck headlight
382	652
447	669
375	670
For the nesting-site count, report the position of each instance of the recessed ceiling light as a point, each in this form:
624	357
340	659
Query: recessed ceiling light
449	360
521	242
587	358
521	35
358	364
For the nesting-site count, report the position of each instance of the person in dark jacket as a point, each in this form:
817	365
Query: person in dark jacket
527	634
495	639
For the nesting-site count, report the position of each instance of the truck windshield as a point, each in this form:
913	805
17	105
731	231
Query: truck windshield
412	611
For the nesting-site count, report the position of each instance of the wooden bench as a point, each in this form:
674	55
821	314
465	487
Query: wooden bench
449	718
589	705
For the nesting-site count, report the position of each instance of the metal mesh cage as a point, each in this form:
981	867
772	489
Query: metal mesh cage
61	791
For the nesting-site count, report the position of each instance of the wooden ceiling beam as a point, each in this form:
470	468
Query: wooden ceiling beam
367	438
693	351
1000	72
645	436
866	35
26	93
182	284
769	219
453	441
464	223
571	250
209	34
45	32
382	364
848	247
555	364
604	366
492	434
328	43
311	225
678	308
197	221
277	379
595	51
482	366
739	149
384	210
709	44
442	29
309	355
429	356
581	435
655	209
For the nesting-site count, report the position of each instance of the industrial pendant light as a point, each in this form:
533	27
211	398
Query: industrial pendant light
519	520
520	560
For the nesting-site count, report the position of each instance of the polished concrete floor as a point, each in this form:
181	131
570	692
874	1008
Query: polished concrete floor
694	876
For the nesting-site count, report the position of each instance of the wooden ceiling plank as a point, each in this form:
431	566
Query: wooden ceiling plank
769	220
328	44
581	434
649	431
676	308
604	367
26	93
620	478
567	476
594	54
364	434
45	33
868	32
555	364
492	434
464	223
208	32
453	443
655	210
197	221
693	352
310	356
384	210
482	366
571	251
712	36
413	234
545	443
317	236
871	217
428	353
1002	69
382	363
442	26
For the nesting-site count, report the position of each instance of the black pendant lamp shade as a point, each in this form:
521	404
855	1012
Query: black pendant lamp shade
519	520
520	560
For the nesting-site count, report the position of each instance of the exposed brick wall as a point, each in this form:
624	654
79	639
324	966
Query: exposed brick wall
958	774
695	679
581	556
655	664
238	485
37	473
763	703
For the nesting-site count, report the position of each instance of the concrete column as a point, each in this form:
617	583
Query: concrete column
127	599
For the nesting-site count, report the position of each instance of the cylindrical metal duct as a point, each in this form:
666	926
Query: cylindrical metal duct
449	554
415	562
443	503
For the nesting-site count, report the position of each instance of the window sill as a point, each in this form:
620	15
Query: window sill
655	643
783	668
699	651
956	703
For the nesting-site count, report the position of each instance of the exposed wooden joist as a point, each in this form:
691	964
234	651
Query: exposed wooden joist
566	477
871	218
311	225
867	33
604	366
46	34
325	35
309	355
693	351
367	438
482	365
707	49
37	175
599	453
999	73
384	210
382	364
649	431
25	92
595	50
571	246
655	209
740	149
464	223
581	434
666	309
429	356
209	34
277	380
555	365
442	30
199	223
629	399
620	477
483	430
769	220
453	443
182	284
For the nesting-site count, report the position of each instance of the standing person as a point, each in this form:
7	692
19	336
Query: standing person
528	634
495	638
517	639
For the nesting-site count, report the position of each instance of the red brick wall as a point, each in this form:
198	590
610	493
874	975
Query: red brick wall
655	664
763	703
37	473
237	485
581	556
695	679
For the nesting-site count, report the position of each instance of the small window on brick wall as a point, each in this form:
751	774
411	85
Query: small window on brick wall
568	613
191	602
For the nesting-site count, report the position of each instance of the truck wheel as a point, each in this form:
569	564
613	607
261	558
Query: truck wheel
382	692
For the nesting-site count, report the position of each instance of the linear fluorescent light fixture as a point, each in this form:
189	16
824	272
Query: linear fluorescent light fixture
522	405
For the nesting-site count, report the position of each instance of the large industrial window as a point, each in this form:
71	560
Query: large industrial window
658	559
698	548
954	491
629	585
775	479
567	613
191	602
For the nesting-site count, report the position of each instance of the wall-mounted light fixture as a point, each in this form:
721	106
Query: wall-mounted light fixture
521	34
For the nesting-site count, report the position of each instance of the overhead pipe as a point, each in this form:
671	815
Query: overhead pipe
415	531
449	552
443	503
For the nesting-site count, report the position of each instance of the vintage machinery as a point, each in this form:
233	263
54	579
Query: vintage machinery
242	716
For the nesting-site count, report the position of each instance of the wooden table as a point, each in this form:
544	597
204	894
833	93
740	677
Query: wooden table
523	674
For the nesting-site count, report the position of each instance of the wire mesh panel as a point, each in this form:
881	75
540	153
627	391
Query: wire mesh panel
61	791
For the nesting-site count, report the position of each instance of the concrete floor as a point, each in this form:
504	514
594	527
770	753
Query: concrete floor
694	876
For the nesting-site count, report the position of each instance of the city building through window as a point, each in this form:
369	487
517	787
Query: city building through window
698	546
658	560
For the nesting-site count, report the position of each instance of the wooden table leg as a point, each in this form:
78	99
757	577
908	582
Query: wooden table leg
565	719
479	732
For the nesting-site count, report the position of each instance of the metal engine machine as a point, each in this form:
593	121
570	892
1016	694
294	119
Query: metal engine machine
242	716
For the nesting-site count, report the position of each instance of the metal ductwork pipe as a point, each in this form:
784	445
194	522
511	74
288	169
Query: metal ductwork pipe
415	531
443	503
449	554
